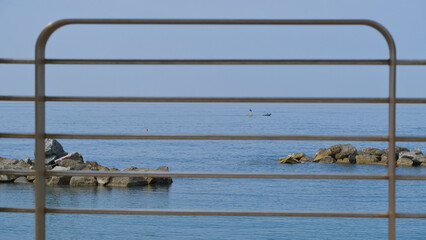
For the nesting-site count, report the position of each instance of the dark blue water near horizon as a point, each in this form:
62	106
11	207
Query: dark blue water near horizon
215	156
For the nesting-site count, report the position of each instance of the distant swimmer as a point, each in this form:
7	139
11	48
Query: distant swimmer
250	112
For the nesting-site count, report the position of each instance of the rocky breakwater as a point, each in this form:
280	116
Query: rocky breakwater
59	160
347	153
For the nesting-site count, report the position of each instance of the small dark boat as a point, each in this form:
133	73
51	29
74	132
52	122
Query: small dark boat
267	114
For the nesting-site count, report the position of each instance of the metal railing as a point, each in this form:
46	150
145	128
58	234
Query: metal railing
40	98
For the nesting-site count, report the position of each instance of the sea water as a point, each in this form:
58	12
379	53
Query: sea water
215	156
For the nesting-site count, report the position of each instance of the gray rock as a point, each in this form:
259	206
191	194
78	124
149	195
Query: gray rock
22	180
409	155
343	150
307	159
371	151
288	160
417	151
298	155
9	178
162	180
322	153
59	180
327	159
14	162
127	181
70	160
158	180
344	160
367	159
79	166
404	162
53	150
422	158
103	180
28	160
79	181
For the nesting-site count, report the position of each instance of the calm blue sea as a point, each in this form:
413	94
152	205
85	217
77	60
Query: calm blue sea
215	156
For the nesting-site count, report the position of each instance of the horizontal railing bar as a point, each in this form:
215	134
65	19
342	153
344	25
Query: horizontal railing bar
217	213
220	61
17	209
17	135
199	61
17	172
213	213
217	99
17	61
212	99
17	98
410	215
216	175
211	175
410	138
410	177
411	62
216	137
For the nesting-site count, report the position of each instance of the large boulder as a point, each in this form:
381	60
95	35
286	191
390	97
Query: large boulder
80	181
294	158
22	179
59	180
404	162
70	160
327	159
321	153
127	181
14	162
94	166
368	159
341	151
53	150
9	178
288	160
307	159
371	151
156	180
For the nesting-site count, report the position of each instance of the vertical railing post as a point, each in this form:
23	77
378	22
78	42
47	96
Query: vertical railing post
40	105
391	146
391	134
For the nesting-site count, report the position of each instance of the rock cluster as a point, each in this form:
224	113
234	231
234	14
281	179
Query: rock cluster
59	160
347	153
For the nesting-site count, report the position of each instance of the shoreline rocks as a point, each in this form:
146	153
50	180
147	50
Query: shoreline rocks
348	154
59	160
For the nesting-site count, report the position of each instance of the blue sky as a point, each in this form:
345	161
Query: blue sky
22	21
